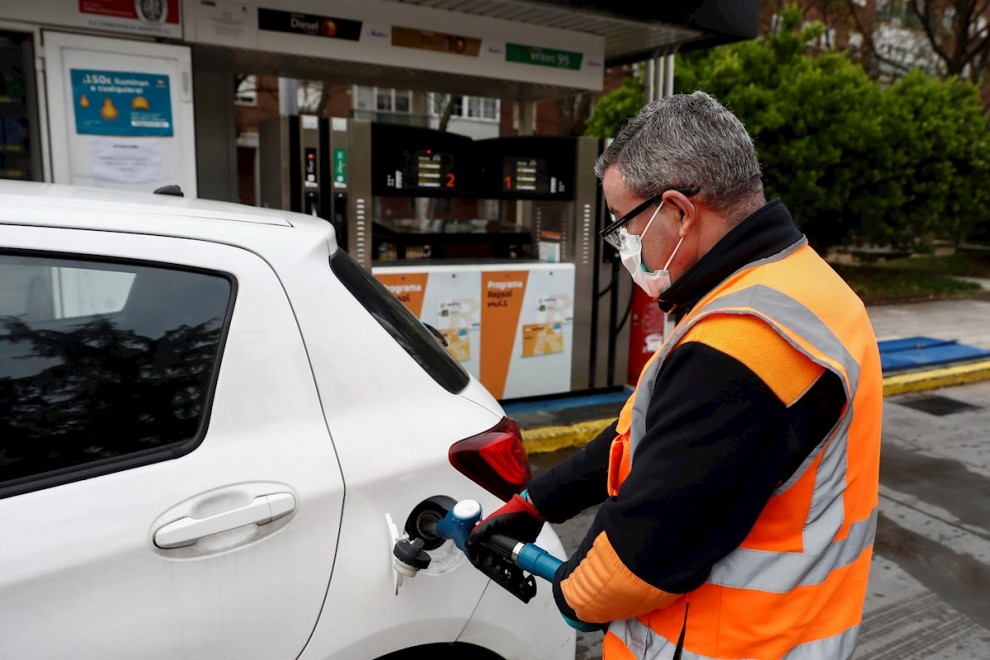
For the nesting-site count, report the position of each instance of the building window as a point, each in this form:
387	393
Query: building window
482	108
470	107
382	99
247	91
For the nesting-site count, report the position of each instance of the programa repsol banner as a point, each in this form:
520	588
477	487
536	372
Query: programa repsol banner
311	25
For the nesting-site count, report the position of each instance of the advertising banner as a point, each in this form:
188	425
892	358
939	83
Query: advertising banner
121	103
151	17
511	327
446	299
503	301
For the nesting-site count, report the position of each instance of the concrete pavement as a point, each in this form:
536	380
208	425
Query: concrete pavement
927	595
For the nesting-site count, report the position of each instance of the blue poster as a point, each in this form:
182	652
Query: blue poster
121	103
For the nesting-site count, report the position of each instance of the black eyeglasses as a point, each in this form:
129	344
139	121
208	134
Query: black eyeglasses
610	234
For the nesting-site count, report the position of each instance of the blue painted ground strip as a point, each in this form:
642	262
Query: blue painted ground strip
917	352
518	407
895	355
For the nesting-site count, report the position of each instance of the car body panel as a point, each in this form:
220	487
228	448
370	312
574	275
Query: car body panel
314	398
539	618
86	547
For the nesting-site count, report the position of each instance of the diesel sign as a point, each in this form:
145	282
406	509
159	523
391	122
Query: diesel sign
308	24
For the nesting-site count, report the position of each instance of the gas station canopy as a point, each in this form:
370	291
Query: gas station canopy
572	42
633	31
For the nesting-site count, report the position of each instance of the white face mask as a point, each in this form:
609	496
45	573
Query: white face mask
631	254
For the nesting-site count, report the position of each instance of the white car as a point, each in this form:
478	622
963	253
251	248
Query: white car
213	426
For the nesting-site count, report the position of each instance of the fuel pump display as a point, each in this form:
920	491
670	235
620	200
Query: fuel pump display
417	161
424	169
425	202
533	177
527	168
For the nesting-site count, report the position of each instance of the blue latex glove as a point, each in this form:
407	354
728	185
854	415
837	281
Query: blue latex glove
583	626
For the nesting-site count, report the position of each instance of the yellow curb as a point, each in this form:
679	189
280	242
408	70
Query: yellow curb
935	378
546	439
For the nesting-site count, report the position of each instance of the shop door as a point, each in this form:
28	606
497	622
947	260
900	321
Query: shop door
120	112
20	141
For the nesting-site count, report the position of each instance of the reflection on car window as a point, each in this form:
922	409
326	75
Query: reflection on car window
100	361
405	328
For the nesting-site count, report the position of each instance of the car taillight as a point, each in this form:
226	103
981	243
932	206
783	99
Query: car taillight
495	459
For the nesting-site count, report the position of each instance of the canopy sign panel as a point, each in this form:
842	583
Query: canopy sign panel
377	32
146	18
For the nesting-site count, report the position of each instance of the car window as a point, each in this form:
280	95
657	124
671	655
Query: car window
405	328
102	363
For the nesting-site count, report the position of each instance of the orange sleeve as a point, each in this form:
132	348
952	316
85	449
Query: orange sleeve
603	589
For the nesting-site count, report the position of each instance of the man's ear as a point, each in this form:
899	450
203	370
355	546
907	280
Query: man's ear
687	209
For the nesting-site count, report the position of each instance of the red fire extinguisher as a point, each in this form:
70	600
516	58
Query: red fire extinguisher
647	327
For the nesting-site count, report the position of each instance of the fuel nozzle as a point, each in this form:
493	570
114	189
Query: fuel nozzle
459	522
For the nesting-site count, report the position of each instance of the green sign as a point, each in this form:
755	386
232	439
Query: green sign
340	168
558	59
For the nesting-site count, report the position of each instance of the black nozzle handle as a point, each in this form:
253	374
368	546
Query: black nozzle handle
502	544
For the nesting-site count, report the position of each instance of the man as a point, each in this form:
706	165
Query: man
738	488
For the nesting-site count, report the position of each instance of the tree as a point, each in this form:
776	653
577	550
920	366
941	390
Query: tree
941	143
958	32
853	160
616	108
312	96
947	38
813	121
444	106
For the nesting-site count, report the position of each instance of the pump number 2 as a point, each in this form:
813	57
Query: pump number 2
450	180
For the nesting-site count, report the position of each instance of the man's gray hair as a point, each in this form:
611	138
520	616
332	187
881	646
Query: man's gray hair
687	140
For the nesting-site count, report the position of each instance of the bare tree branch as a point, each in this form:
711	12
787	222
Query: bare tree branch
867	31
920	8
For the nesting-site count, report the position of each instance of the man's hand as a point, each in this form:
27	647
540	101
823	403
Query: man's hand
517	518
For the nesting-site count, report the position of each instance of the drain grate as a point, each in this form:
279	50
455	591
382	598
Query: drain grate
933	404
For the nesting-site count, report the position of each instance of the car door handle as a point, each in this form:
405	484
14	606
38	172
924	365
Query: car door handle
186	531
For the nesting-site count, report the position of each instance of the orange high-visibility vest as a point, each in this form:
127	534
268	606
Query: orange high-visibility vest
796	585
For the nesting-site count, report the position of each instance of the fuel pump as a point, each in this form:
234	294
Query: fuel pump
292	171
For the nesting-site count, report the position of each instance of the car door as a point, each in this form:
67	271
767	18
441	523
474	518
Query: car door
168	487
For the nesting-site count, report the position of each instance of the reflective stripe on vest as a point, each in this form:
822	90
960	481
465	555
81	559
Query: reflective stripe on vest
641	641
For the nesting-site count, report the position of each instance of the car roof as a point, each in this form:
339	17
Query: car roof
44	205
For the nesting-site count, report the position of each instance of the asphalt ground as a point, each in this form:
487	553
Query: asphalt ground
930	579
